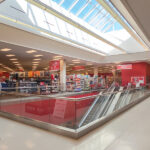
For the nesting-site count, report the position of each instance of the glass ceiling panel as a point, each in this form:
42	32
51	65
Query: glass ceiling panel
85	11
57	1
67	3
78	6
90	16
92	13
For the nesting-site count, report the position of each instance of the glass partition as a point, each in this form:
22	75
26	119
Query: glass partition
72	111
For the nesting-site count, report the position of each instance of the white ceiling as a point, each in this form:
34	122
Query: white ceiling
26	59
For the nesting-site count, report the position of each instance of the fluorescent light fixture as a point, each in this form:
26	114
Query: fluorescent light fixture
31	51
10	55
38	55
13	59
5	49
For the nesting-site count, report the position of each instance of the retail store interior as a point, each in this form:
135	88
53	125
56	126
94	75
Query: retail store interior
74	74
21	66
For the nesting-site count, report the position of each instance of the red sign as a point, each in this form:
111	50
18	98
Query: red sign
78	68
54	65
122	67
135	80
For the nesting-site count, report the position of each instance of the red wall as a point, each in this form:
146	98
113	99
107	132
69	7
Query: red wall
141	69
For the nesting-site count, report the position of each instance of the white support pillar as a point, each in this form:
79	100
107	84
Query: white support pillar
62	75
95	71
96	75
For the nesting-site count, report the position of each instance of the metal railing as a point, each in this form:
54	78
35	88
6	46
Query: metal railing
67	112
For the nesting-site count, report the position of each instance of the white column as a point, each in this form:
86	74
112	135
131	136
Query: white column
95	71
63	75
96	75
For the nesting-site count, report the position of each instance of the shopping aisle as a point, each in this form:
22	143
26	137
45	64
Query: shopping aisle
129	131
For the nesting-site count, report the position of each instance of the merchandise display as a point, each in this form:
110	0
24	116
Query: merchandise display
43	82
47	81
55	82
75	82
81	82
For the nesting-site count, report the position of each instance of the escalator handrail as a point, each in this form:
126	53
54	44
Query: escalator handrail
125	96
89	110
92	106
114	101
105	100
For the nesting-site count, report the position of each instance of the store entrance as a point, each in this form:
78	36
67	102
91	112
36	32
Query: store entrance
29	71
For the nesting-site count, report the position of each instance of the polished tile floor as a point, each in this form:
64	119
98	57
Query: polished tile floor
129	131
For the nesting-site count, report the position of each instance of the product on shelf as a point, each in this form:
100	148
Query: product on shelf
77	82
55	82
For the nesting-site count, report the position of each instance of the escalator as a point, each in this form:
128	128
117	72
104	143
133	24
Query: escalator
97	106
104	104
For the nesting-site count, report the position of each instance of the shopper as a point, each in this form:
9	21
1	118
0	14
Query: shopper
0	86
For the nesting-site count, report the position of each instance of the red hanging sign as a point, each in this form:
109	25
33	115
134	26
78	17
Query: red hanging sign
123	67
78	68
54	65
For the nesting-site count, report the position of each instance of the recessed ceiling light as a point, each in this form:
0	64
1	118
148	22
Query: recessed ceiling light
56	59
37	59
58	56
71	64
117	62
13	59
35	62
5	49
15	62
89	64
38	55
31	51
10	55
76	60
